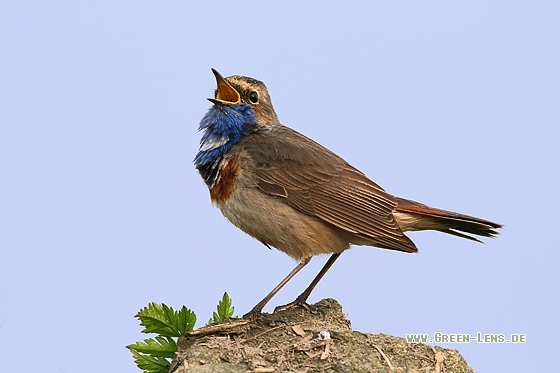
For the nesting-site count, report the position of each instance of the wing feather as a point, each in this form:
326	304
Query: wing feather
317	182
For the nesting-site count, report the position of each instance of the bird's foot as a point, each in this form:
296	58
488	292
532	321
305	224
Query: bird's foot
258	317
300	304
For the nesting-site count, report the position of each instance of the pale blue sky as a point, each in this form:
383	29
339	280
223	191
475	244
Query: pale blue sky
453	104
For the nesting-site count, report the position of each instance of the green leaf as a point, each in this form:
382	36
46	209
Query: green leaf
163	320
225	310
158	347
151	364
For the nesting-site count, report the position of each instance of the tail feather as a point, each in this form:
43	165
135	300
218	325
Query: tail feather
414	216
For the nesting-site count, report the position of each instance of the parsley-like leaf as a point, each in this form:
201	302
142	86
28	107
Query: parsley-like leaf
225	310
163	320
151	364
158	347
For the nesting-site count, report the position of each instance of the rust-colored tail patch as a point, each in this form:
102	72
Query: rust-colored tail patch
412	216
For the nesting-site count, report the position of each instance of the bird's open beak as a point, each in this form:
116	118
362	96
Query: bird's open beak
225	93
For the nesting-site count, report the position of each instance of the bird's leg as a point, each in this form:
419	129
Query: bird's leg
302	298
255	313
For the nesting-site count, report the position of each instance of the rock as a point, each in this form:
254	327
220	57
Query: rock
293	346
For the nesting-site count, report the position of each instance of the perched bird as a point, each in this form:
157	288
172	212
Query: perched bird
291	193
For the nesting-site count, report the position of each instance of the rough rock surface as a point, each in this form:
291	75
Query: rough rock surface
295	347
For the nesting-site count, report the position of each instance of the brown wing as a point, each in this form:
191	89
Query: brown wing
317	182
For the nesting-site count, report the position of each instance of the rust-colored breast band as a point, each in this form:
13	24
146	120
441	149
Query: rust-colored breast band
227	181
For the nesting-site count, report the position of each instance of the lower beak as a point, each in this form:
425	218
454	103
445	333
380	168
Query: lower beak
225	93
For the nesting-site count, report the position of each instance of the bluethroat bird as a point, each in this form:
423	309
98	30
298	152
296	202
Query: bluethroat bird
291	193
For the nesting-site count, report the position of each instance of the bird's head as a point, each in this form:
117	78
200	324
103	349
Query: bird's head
242	90
241	105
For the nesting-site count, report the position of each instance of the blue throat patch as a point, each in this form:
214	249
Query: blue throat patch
222	127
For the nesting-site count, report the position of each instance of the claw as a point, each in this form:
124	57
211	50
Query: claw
300	304
258	317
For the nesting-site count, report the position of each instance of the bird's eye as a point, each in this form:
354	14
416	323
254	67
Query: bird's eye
254	97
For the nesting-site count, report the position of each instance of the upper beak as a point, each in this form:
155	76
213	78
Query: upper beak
225	93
